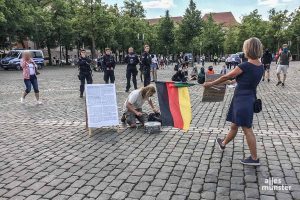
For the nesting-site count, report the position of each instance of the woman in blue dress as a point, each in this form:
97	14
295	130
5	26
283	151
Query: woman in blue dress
240	114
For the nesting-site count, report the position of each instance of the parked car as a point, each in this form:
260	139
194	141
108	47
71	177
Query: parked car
190	57
13	58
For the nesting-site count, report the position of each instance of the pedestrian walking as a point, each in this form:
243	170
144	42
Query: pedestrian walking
109	65
146	62
85	71
215	59
30	70
240	114
154	67
266	61
284	58
131	60
203	60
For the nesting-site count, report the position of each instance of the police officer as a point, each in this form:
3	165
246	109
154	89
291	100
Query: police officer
146	62
132	60
108	66
85	72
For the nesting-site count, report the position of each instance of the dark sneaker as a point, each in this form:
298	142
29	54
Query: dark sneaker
123	118
263	79
221	146
282	84
126	90
268	80
278	83
81	96
250	161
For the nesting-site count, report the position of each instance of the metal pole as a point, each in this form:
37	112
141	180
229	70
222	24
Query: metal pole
298	40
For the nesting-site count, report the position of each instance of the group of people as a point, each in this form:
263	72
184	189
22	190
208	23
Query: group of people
247	75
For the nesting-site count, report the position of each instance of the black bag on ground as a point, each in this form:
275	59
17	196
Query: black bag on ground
154	117
176	67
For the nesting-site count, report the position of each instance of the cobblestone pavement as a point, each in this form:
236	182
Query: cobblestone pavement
46	153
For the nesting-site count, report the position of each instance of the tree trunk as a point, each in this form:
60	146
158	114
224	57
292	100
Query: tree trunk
67	57
93	47
23	45
49	55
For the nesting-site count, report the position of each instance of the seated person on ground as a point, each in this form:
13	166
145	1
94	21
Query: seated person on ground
194	74
201	76
224	70
210	70
134	103
179	76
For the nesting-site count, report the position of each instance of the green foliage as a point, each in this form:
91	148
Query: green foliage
165	33
190	27
133	8
212	37
72	23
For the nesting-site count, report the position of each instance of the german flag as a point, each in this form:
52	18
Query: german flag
174	104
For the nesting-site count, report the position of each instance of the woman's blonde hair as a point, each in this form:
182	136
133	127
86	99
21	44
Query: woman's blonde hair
253	48
148	91
26	53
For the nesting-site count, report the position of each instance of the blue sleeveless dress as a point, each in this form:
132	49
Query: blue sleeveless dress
241	107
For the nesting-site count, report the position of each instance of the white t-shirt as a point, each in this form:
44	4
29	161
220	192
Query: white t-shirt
31	69
135	98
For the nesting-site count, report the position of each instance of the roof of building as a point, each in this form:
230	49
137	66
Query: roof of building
156	20
223	18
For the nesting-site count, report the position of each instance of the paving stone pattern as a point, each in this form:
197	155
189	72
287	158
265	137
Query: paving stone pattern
46	153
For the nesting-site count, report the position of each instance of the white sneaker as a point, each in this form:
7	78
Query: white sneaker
22	100
39	102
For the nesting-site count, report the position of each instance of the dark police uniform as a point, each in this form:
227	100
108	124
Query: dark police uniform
108	65
146	62
132	60
85	73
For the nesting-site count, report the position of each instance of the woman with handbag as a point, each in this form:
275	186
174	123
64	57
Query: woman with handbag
244	102
29	74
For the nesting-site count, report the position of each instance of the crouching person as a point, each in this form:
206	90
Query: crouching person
134	103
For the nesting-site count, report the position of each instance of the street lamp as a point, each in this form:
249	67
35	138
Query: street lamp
142	40
200	47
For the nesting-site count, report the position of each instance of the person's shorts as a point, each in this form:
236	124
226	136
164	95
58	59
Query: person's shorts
282	68
153	66
267	66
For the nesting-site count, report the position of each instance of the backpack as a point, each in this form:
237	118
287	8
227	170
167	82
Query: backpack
284	58
154	117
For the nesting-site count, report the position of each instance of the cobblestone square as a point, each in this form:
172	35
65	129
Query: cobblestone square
46	153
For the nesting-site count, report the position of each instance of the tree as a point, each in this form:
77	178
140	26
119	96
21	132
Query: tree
231	41
165	33
212	37
277	29
252	26
91	23
133	8
190	27
294	31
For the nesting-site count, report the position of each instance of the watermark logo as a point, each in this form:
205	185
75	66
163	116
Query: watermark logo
275	184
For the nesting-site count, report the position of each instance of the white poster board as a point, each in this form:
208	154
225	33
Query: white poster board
101	103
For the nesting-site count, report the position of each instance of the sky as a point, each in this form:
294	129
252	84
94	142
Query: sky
157	8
